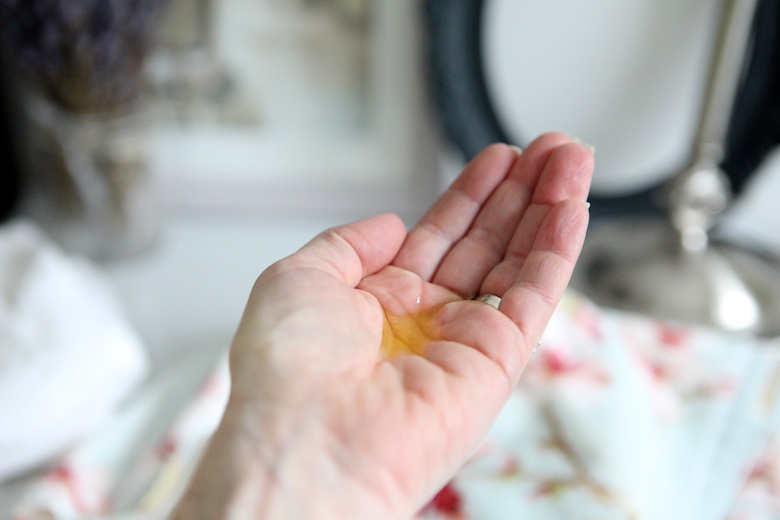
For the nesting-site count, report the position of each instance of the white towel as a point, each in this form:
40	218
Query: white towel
67	354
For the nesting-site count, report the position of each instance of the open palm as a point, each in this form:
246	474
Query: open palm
362	361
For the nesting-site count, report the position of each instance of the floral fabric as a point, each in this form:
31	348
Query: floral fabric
617	416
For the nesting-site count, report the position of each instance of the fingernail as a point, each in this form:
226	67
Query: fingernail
517	149
587	204
577	140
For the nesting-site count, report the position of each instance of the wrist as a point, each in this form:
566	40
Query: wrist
282	470
228	482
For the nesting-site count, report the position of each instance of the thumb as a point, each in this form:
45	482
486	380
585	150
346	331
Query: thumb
353	251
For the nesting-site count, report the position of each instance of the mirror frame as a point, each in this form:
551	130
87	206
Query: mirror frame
469	119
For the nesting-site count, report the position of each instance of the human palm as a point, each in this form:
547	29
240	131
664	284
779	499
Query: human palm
362	361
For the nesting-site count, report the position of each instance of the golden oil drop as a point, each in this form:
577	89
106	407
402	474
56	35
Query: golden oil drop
409	334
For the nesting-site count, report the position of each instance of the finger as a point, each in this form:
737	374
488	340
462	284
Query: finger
484	245
484	331
353	251
567	175
452	214
539	285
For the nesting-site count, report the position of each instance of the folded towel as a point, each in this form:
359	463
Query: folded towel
67	354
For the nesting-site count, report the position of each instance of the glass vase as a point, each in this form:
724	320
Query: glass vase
89	183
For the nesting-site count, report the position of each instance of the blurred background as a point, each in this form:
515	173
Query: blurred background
181	146
332	106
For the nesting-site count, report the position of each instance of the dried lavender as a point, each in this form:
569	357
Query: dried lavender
86	55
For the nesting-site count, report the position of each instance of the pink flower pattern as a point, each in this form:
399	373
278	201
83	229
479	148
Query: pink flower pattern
531	460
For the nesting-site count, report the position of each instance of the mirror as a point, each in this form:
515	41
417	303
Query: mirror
667	92
630	82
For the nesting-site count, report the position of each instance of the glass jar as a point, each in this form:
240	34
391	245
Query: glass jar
88	180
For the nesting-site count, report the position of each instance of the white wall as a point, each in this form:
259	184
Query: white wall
319	114
323	119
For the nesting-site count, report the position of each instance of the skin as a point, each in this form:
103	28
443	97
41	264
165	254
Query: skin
320	424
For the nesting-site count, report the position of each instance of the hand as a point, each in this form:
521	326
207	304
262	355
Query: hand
364	374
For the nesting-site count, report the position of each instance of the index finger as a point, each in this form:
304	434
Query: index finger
454	211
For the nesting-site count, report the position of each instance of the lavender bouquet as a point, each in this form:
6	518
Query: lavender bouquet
84	146
85	55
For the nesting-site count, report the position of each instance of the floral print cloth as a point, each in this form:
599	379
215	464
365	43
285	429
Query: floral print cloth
617	416
625	417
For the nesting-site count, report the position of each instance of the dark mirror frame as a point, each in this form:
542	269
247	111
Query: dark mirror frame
457	82
10	117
